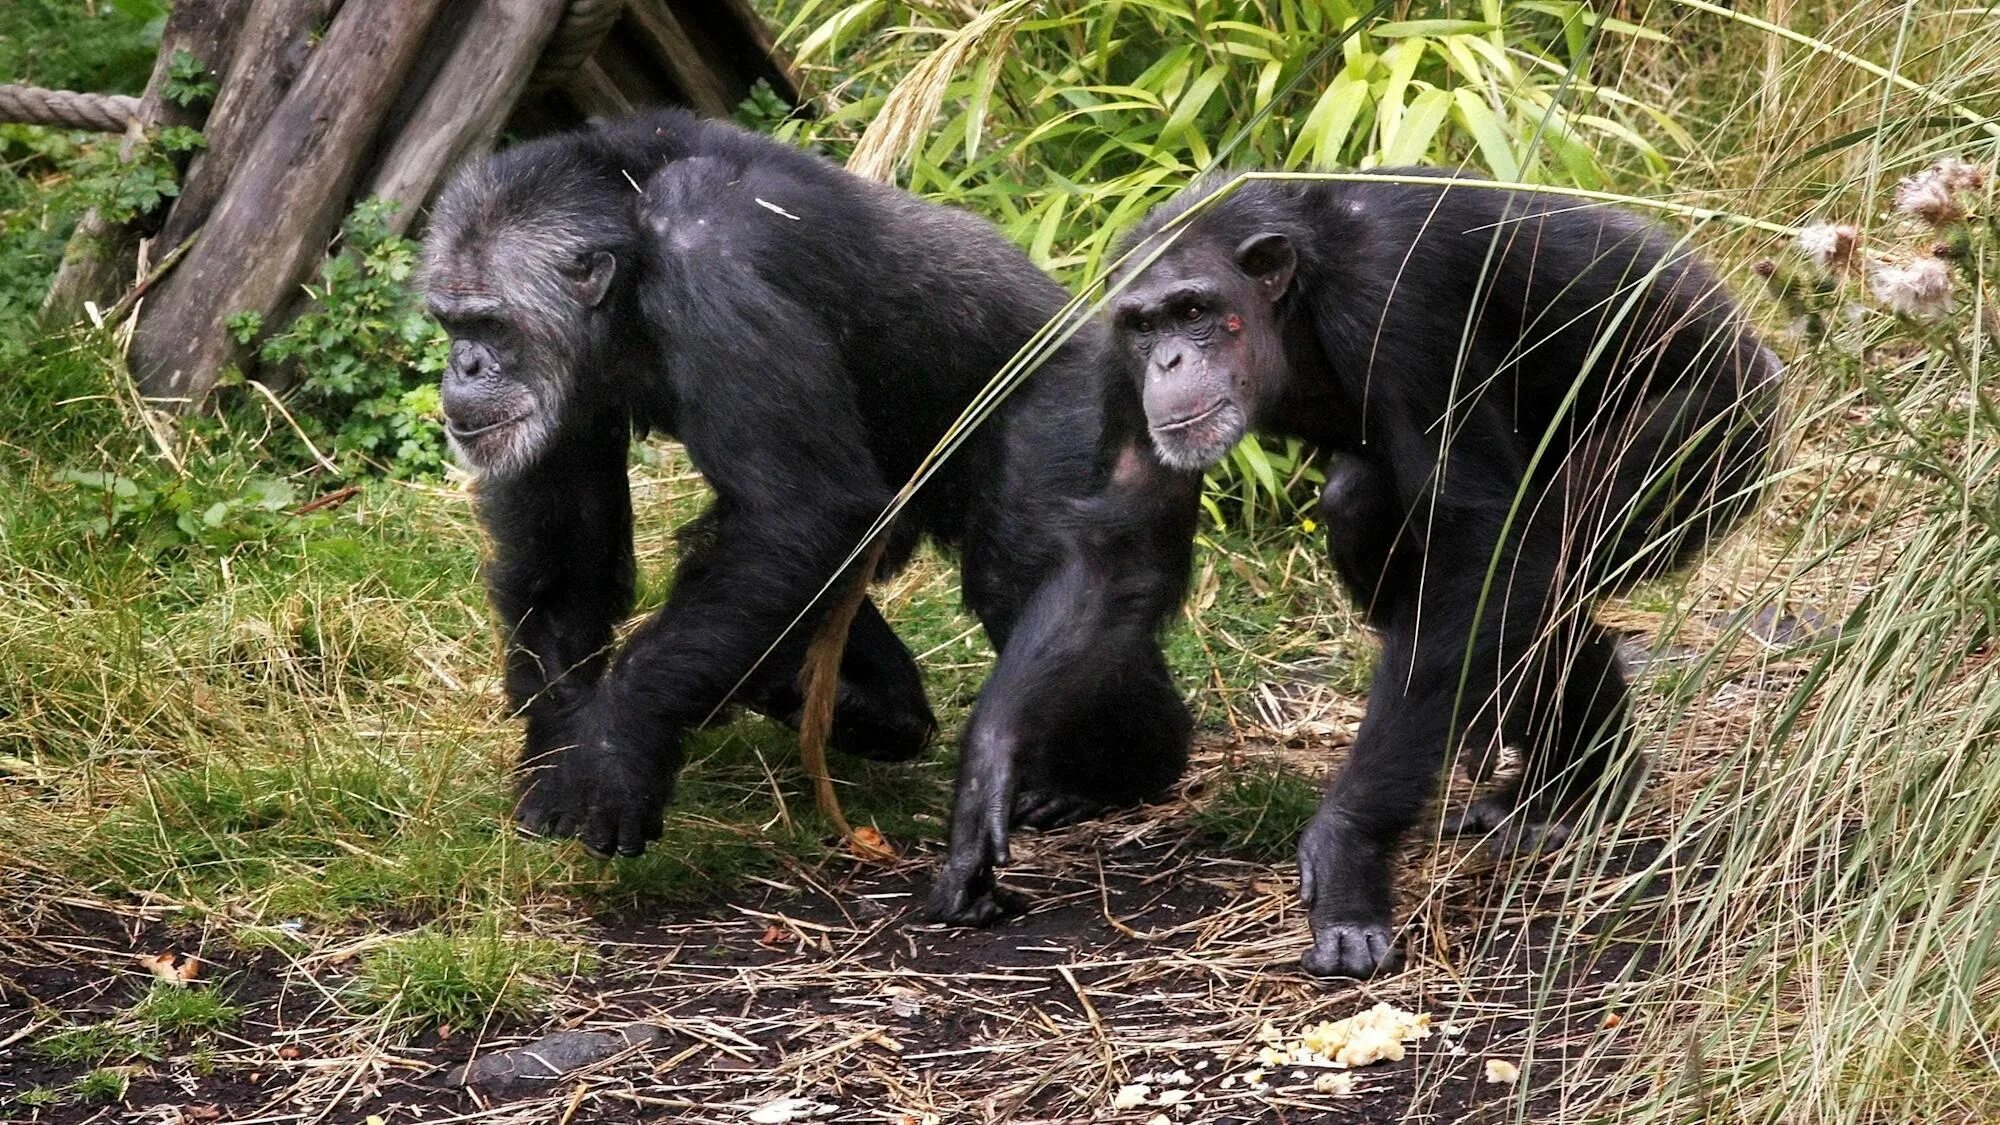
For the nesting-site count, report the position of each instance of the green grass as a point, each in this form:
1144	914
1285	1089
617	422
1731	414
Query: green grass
464	977
167	1014
38	1097
1257	812
102	1085
91	1044
180	1011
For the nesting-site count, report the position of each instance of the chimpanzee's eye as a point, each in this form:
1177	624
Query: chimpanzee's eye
1137	323
1192	312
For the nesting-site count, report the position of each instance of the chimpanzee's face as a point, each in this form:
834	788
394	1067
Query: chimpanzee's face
518	336
1201	326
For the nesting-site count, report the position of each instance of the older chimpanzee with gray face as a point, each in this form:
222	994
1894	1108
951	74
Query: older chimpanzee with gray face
808	336
1529	403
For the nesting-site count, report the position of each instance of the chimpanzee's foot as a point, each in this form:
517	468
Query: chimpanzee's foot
1508	827
610	796
1352	949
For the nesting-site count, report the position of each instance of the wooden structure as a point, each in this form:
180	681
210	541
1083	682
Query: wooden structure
320	103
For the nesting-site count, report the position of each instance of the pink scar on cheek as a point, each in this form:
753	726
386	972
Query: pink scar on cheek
1232	324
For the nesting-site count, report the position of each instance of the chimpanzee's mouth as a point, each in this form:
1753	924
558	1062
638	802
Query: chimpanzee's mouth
461	433
1189	421
1199	440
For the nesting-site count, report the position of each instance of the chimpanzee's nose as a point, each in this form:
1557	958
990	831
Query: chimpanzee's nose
471	360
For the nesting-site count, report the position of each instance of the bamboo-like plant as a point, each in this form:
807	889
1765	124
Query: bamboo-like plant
1063	122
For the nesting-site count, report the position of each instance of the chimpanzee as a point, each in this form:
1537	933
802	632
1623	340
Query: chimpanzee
808	336
1529	403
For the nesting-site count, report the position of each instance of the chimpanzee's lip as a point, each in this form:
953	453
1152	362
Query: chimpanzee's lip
1195	419
459	432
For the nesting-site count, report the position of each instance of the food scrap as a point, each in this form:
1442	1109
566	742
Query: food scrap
1500	1070
868	843
1166	1088
170	968
1375	1035
1339	1083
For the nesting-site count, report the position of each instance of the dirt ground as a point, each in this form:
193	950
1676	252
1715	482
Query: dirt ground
1147	959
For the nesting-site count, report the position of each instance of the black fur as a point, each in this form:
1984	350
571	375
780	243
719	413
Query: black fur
1530	403
808	336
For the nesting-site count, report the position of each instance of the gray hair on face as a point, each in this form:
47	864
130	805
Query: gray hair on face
522	447
512	232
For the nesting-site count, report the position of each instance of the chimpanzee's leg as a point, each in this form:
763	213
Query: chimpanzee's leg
1571	740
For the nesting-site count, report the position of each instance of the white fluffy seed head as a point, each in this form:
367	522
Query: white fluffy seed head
1926	196
1937	195
1830	246
1958	175
1918	287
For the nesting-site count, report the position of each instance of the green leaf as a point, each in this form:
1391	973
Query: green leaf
1402	59
1411	140
1252	453
1325	132
1403	29
1180	124
1488	132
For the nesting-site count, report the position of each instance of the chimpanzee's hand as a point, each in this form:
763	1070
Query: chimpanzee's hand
966	893
594	787
1344	880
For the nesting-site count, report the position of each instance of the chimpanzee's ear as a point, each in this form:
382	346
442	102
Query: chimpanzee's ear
592	276
1271	260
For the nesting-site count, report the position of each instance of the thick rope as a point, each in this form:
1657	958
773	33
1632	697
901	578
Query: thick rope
67	109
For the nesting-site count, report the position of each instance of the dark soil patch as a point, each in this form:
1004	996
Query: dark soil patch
1144	955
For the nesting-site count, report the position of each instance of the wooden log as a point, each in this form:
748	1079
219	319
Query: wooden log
736	44
101	259
277	39
694	78
462	109
595	94
584	25
272	223
634	70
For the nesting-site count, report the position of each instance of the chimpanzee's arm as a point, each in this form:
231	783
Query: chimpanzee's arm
1080	679
765	410
561	572
1456	644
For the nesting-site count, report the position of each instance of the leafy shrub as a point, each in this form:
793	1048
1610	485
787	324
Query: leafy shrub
368	355
103	48
178	512
1065	125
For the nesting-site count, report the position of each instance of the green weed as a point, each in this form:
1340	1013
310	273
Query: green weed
1257	812
177	1011
91	1044
38	1097
464	977
105	1084
369	354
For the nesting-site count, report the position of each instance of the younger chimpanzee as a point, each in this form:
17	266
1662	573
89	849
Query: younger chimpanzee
808	336
1530	403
